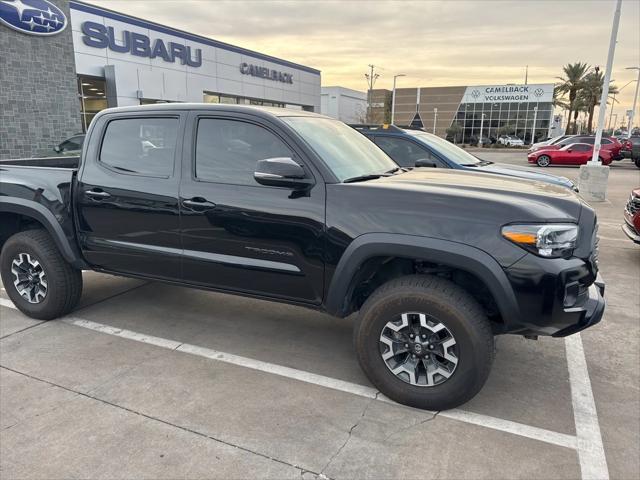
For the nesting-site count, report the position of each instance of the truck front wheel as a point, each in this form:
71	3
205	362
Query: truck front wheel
37	278
424	342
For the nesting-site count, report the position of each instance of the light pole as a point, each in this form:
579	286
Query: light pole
435	119
393	97
635	99
605	85
594	176
533	128
481	126
613	99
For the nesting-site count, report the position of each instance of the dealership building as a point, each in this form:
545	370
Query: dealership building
524	109
64	61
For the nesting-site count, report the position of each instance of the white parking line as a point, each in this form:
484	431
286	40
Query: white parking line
593	463
587	443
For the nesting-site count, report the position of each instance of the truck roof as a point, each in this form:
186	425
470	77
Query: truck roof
216	107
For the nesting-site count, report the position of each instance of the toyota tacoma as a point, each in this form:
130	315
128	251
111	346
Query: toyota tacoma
295	207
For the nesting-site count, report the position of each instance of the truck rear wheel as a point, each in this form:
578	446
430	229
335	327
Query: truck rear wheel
424	342
37	278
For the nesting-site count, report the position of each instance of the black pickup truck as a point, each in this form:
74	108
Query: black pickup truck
295	207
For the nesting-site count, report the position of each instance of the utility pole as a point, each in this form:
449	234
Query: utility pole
635	99
393	98
526	74
594	176
371	81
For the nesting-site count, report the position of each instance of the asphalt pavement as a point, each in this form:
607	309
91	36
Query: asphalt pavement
146	380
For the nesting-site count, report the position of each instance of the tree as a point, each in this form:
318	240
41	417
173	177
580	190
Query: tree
592	91
454	131
572	82
506	130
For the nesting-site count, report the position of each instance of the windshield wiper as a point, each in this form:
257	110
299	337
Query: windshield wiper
362	178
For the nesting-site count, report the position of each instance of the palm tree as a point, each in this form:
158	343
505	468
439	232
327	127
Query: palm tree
572	82
592	91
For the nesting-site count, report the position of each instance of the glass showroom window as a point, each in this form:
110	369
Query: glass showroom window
92	93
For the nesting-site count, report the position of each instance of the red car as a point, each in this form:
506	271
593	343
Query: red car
631	224
573	154
611	144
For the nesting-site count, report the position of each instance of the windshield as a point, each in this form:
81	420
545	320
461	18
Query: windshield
446	148
345	151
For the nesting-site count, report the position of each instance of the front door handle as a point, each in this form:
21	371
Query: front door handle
97	194
199	204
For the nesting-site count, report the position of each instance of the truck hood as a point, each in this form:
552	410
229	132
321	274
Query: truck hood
541	200
526	173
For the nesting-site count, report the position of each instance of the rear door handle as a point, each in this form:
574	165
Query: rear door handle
199	204
97	194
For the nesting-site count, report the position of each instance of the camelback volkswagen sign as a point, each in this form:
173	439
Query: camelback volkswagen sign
509	93
33	17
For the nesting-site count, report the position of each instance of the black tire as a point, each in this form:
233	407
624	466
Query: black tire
64	283
637	162
543	161
456	310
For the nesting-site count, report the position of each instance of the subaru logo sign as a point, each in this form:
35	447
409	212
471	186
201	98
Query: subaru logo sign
35	17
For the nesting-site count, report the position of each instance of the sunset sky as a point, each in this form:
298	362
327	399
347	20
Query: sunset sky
435	43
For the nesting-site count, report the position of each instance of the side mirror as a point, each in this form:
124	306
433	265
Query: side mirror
57	149
281	172
569	150
424	162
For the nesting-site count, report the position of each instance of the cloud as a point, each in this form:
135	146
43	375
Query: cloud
433	42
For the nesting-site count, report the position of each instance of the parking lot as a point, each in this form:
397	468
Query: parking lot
146	380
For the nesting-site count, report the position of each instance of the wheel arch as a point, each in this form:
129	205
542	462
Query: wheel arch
442	252
27	211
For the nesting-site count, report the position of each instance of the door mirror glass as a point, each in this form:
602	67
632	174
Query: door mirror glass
425	162
281	172
57	149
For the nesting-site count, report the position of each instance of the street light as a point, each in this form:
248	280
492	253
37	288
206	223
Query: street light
481	126
635	99
613	99
435	119
393	98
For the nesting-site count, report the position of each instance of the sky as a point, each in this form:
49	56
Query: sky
434	43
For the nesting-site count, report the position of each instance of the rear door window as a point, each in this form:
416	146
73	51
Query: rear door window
140	146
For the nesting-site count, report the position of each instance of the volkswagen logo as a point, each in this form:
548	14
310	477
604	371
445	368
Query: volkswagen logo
538	92
475	93
418	348
34	17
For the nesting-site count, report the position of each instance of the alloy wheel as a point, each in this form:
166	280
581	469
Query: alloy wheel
30	279
419	349
544	161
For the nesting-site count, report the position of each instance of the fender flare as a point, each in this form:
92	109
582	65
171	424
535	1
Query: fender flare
44	216
453	254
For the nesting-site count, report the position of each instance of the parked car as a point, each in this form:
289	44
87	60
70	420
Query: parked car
410	148
631	149
510	141
631	225
295	207
551	141
573	154
71	146
607	143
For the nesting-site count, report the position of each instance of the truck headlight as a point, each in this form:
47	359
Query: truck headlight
550	240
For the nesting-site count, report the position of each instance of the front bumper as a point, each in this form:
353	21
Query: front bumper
631	233
591	311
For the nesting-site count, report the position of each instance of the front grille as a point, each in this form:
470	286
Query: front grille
633	205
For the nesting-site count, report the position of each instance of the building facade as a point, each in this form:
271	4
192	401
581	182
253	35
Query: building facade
107	59
345	104
488	110
38	89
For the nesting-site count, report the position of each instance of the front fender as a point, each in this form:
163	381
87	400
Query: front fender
443	252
